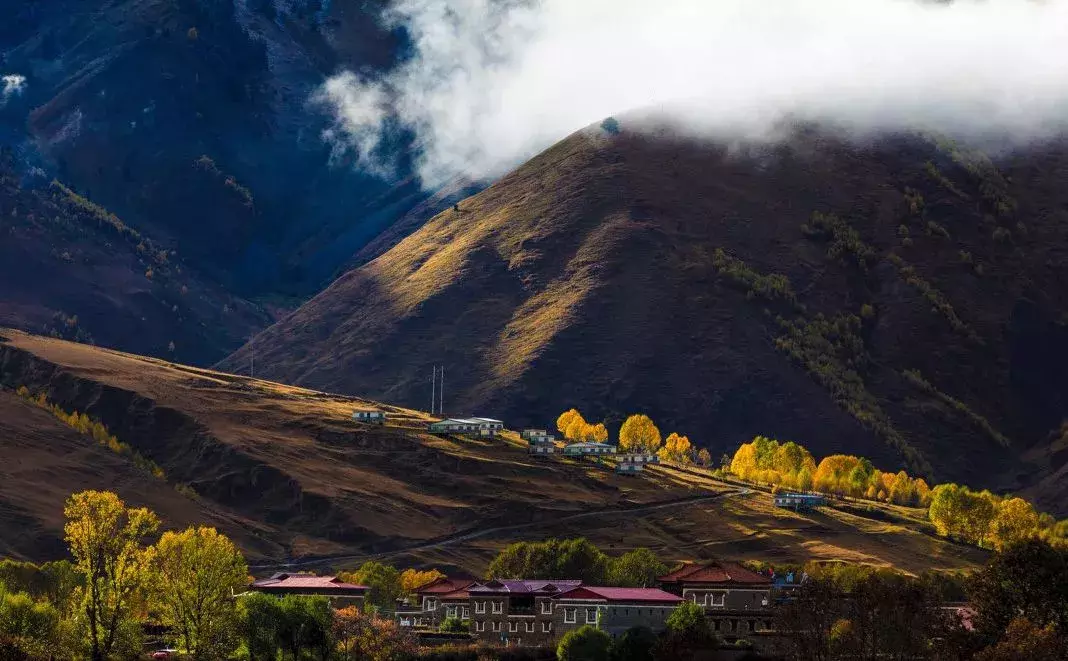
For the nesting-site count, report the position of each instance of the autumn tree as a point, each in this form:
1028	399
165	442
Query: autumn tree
1025	641
28	628
676	449
639	434
1014	521
194	576
362	636
567	419
413	579
704	457
106	539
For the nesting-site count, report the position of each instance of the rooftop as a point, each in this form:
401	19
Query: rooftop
715	572
521	586
470	421
623	595
445	586
283	581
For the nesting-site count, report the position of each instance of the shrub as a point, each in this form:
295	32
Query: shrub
584	644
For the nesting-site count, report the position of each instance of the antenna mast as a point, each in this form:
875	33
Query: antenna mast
433	384
441	394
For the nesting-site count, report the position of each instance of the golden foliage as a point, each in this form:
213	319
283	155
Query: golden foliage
676	449
413	579
639	434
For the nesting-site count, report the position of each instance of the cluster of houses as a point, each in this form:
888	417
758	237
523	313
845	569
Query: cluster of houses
540	442
522	612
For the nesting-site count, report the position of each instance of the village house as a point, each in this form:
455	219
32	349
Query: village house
736	600
485	427
376	416
515	612
433	603
613	610
799	501
339	593
632	464
540	441
588	449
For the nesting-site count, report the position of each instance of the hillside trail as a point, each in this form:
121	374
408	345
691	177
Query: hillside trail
482	532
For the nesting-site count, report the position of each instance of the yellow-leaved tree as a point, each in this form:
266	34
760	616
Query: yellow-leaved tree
594	433
107	539
567	419
413	579
639	434
195	574
676	449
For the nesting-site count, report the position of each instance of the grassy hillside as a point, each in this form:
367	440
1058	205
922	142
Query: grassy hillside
288	475
903	299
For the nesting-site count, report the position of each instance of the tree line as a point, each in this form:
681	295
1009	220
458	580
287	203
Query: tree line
974	517
638	435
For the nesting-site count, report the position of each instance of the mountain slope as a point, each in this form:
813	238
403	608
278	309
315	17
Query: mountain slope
919	318
70	268
286	473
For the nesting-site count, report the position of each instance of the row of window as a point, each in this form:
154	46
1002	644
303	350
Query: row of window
513	627
710	598
571	615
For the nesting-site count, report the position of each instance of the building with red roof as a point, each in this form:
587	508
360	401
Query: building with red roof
613	610
737	601
338	592
433	603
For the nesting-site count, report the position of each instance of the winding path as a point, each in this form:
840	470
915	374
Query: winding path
442	542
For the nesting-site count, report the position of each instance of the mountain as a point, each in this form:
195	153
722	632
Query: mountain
70	268
288	475
901	298
194	122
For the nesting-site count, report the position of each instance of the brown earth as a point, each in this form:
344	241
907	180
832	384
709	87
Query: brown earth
588	277
287	475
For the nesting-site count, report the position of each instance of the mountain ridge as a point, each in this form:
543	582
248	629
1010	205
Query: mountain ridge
619	273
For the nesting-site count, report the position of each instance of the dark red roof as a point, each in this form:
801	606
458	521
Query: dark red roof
621	595
715	572
305	582
445	585
524	586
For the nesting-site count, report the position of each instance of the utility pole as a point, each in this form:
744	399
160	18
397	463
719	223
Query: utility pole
433	384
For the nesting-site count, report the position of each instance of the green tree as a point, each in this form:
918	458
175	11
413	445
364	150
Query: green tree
636	644
453	625
194	576
638	568
586	643
383	582
305	625
1014	522
1028	579
28	629
639	434
107	541
687	633
259	623
551	559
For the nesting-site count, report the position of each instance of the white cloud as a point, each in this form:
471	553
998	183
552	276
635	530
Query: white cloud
13	85
493	82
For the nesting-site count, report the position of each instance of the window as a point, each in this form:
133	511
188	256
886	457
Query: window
530	626
428	603
717	599
480	625
466	613
694	595
546	627
498	607
570	615
513	627
480	607
546	607
450	611
591	616
496	626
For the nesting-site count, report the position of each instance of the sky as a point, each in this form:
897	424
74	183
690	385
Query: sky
493	82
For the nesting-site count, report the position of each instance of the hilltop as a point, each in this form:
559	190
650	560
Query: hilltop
901	298
284	472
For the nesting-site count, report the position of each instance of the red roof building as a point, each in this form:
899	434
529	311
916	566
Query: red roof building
339	592
613	610
435	602
735	599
